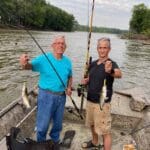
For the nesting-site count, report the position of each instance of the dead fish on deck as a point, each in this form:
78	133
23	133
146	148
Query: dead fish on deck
103	95
25	96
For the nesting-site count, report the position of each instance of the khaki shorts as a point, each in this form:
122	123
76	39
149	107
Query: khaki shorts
100	119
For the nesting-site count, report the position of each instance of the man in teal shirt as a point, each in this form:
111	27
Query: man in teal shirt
52	91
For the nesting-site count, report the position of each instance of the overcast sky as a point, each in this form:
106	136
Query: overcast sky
107	13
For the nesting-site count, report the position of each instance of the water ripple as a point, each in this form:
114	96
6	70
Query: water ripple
132	57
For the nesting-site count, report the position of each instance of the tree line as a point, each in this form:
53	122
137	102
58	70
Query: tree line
101	29
140	20
35	14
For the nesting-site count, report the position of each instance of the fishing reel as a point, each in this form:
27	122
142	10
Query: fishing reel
80	89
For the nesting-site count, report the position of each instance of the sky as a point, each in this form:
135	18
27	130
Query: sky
107	13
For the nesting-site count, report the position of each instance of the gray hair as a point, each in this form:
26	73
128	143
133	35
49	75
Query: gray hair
104	39
58	37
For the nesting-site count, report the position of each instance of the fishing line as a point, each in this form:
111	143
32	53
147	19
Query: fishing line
131	133
137	130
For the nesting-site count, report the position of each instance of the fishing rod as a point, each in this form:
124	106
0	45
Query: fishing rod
77	109
137	130
88	58
81	88
133	132
73	102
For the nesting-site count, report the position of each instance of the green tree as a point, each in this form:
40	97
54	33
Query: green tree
36	14
140	20
146	23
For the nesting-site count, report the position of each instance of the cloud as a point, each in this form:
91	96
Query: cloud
125	5
107	13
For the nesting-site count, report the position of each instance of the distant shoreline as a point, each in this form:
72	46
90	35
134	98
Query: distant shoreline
79	28
135	36
145	40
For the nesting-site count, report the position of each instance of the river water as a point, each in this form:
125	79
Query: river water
132	56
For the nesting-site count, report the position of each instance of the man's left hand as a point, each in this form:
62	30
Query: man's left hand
68	91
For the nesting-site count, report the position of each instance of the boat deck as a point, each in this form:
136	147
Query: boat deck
83	134
124	120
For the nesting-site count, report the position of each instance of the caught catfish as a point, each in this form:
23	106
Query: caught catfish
103	95
25	96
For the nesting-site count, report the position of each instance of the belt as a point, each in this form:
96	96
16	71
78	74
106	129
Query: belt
55	93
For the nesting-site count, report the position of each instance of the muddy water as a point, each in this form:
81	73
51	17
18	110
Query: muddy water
132	56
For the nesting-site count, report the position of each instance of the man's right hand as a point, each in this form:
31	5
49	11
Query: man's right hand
84	81
24	61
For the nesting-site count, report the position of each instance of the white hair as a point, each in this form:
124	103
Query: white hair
104	39
58	37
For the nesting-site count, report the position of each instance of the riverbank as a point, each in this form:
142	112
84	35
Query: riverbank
143	39
5	27
80	28
11	27
135	36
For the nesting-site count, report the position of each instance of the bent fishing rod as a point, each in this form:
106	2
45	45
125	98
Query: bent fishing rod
75	106
23	27
77	109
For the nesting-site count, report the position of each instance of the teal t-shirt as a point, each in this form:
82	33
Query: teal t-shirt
48	79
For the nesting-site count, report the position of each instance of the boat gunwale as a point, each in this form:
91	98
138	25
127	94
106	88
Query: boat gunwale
13	104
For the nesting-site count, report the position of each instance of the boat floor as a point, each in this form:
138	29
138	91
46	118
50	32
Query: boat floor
120	129
82	133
